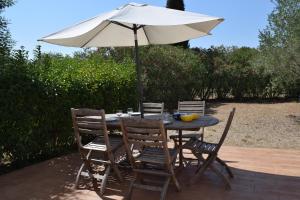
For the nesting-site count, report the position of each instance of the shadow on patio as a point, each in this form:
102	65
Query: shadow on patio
259	174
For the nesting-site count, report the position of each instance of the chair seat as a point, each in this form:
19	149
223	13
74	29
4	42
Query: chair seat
98	143
156	155
200	146
188	135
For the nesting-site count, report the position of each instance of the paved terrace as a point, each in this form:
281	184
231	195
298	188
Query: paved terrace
259	174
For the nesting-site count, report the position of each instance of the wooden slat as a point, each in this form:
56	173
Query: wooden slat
148	187
152	158
192	107
90	131
191	102
154	172
143	123
142	130
144	137
156	155
153	110
90	125
87	112
144	143
96	147
101	161
88	119
153	105
96	176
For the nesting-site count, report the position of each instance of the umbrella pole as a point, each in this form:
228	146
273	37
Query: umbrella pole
138	70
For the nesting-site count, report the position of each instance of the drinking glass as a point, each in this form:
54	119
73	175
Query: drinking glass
166	116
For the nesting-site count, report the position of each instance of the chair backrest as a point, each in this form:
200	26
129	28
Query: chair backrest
225	132
155	108
89	122
145	133
192	107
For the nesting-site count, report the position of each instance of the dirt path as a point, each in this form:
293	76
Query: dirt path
258	125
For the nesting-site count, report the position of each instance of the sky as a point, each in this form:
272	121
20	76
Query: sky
32	19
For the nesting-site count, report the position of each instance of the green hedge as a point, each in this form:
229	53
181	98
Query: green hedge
36	95
36	98
171	74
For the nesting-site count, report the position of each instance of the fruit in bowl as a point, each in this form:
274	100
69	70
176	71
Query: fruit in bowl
195	116
187	118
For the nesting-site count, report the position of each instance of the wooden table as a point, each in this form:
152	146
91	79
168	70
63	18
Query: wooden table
180	126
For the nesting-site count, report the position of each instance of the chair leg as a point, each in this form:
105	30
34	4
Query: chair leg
202	134
221	175
78	175
129	194
91	173
200	170
175	180
164	189
205	162
104	180
117	172
87	163
226	167
114	166
175	143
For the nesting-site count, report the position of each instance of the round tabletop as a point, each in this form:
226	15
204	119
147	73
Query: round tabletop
203	121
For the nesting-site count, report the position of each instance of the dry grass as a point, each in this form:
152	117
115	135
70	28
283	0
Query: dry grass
273	125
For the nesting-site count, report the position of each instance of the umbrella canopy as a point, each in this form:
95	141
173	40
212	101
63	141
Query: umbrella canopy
160	26
135	24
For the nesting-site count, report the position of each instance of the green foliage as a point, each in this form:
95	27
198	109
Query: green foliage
280	48
243	77
215	80
230	73
36	97
6	42
170	74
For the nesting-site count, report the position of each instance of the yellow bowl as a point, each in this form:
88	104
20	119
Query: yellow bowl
195	116
187	118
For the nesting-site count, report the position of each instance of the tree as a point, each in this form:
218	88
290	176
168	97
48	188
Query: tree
178	5
175	4
280	45
6	42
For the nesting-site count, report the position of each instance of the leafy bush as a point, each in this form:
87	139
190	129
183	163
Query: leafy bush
171	74
36	98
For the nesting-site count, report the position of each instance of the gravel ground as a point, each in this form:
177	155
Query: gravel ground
272	125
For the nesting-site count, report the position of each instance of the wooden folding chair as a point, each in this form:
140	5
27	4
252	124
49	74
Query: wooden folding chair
155	159
199	148
197	107
92	123
153	108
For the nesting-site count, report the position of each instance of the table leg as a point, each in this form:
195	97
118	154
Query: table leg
180	149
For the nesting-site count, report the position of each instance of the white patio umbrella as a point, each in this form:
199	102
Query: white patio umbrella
133	25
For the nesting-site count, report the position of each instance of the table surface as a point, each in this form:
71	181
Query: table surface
203	121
